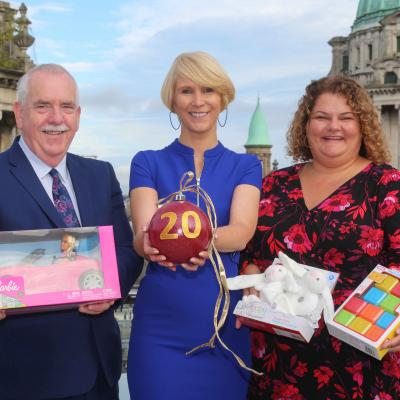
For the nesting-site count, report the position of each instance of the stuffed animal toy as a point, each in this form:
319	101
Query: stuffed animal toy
290	288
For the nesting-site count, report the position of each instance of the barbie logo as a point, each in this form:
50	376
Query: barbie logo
11	284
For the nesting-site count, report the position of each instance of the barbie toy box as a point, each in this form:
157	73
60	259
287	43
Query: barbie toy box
371	314
57	268
292	298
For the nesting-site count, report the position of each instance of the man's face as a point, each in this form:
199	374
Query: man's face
49	116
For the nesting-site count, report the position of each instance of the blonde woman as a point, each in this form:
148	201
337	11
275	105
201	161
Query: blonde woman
175	304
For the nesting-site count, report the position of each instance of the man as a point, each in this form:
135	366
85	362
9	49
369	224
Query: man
73	354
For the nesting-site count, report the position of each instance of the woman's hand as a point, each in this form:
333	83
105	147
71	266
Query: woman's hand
196	262
2	314
153	254
249	270
393	345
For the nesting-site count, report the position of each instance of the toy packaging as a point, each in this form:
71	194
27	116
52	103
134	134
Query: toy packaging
292	298
53	269
371	314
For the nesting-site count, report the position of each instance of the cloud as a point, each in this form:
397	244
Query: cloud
116	101
81	66
34	10
142	21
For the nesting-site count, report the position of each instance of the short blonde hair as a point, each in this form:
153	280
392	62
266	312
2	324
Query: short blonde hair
202	69
373	146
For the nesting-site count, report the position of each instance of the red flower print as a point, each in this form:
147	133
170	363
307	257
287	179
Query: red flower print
285	392
390	205
267	206
344	229
295	194
267	184
395	240
371	240
356	371
323	375
339	202
391	175
383	396
301	369
258	344
391	365
333	257
297	240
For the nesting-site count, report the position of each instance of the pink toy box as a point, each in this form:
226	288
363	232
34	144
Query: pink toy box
53	269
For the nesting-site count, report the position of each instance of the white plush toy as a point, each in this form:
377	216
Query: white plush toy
272	283
290	288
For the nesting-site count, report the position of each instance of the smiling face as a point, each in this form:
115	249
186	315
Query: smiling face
197	106
49	116
333	131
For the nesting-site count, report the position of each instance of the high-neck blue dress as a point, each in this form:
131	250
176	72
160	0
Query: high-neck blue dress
174	310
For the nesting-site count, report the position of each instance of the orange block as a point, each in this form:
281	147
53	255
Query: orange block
371	312
374	333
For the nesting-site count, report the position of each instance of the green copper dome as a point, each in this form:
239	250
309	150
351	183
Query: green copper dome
370	12
258	130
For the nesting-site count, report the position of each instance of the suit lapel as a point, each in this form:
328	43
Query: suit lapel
21	168
83	190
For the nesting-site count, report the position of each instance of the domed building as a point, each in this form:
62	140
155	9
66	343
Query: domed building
371	54
258	140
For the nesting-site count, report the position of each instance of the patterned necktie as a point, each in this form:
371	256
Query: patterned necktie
62	201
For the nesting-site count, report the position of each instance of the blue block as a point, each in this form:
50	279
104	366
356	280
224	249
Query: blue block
374	296
385	320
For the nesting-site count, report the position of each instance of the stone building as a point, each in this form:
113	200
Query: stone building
258	140
371	54
14	62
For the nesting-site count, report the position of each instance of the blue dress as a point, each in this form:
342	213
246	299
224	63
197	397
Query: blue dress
174	310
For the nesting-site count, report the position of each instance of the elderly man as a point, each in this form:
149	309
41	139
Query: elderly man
73	354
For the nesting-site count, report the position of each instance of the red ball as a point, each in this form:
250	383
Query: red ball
180	230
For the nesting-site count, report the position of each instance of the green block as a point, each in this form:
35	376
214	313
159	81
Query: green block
344	317
390	303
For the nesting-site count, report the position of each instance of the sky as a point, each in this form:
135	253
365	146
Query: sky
120	51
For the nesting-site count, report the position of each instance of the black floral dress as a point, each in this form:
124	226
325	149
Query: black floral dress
350	232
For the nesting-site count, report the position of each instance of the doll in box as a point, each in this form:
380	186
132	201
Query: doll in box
67	248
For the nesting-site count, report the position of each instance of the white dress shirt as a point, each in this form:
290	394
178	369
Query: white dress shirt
42	171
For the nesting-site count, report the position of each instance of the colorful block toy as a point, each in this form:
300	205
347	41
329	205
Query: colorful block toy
371	314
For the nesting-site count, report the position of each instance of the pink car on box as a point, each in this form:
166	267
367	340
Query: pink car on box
42	280
82	273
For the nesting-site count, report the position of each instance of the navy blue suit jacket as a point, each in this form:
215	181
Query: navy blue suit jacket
58	353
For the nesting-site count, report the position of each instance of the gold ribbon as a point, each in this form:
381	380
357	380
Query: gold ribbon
219	269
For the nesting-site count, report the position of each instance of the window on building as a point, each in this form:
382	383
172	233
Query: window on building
390	78
370	52
398	44
345	63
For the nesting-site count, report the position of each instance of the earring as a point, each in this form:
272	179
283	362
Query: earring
226	117
172	124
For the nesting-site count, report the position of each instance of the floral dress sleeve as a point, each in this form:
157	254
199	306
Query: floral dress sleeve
389	213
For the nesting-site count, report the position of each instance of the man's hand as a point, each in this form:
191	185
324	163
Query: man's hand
2	314
96	308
